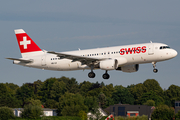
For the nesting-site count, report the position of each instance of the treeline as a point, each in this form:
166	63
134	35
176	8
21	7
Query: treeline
71	97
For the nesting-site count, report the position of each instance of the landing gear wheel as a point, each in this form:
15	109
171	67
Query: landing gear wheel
154	66
91	75
105	76
155	70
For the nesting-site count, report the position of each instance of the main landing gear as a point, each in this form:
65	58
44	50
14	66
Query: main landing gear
92	74
106	75
154	66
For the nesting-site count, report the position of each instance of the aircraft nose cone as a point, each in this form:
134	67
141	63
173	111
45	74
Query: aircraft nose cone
174	53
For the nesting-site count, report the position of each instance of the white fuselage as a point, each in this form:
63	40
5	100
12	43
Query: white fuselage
133	54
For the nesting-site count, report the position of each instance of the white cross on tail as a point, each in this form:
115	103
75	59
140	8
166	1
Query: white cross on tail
25	42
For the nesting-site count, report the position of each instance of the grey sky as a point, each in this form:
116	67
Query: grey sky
68	25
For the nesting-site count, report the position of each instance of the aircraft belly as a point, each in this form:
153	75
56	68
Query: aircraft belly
68	65
141	58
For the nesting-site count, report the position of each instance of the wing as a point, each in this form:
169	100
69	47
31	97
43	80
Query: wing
21	60
82	59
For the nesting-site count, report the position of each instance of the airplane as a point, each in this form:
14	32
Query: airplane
124	58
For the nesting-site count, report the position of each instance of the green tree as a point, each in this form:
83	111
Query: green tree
102	99
70	104
57	90
153	85
32	111
172	94
108	90
102	84
46	87
82	115
85	87
91	102
122	95
71	84
177	116
109	101
151	96
37	86
6	113
149	103
34	102
7	97
94	92
50	103
12	86
24	93
163	112
137	91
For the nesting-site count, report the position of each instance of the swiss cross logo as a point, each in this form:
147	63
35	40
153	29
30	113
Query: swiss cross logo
25	42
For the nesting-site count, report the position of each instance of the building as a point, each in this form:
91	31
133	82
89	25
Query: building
47	112
130	110
93	116
17	111
177	106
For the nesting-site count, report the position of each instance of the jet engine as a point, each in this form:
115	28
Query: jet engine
111	64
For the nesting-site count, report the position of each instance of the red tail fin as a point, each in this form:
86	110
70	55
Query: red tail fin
26	44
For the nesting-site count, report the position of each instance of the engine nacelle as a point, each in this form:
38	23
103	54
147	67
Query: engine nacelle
130	68
111	64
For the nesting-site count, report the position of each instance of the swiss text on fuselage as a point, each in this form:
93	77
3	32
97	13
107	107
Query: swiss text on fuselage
133	50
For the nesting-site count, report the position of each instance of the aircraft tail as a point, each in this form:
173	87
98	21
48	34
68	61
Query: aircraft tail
26	45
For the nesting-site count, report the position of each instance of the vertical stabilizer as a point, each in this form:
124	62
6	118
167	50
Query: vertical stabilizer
26	45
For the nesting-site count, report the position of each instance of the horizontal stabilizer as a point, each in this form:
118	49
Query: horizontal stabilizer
21	60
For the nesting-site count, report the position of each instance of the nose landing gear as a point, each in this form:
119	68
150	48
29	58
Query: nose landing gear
154	66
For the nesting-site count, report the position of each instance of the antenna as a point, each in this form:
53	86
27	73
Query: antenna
79	49
150	41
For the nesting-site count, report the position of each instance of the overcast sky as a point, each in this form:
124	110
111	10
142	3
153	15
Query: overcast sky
58	25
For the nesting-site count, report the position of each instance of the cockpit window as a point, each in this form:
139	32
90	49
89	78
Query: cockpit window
164	47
